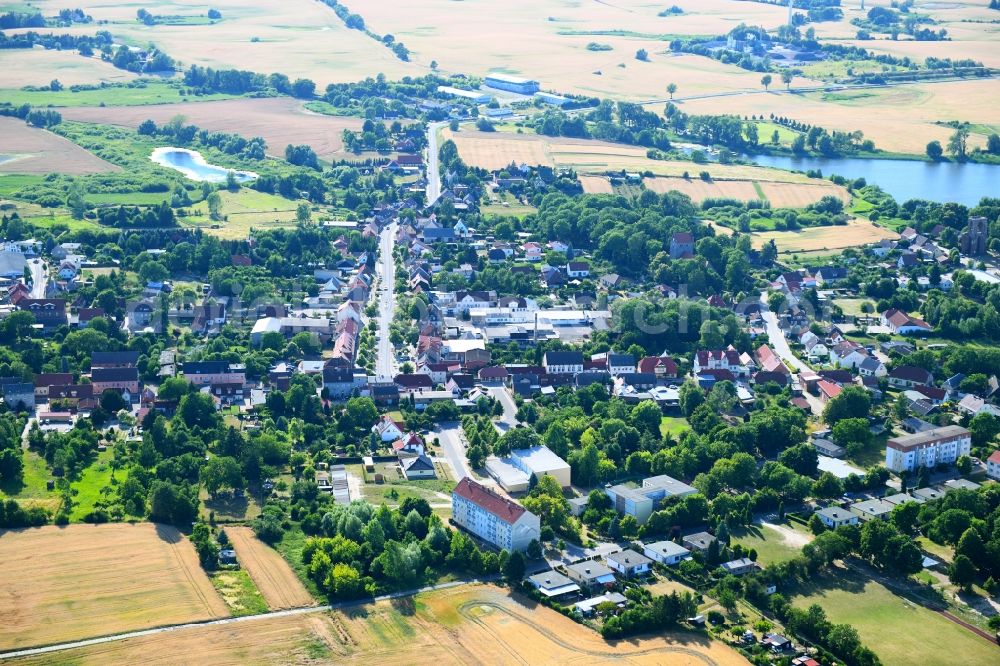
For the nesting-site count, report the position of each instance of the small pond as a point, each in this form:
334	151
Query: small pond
193	165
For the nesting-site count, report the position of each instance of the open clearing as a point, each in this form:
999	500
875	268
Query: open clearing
856	232
278	120
244	211
596	185
895	628
773	543
38	67
473	624
277	583
36	151
78	581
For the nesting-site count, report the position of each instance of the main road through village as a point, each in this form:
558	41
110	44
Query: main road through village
386	303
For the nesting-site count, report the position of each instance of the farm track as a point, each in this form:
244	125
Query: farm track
274	579
466	608
836	87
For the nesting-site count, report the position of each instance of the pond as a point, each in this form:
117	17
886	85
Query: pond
193	165
965	183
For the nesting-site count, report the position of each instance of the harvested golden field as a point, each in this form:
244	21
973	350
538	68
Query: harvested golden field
275	580
800	195
857	232
899	119
79	581
596	185
473	624
699	190
278	120
300	38
32	150
495	150
38	67
546	40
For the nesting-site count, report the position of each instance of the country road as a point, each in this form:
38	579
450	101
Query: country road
779	343
385	358
832	87
59	647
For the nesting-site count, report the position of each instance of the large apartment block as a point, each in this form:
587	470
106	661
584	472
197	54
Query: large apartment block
492	517
927	449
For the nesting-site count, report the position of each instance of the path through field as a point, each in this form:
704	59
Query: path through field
275	580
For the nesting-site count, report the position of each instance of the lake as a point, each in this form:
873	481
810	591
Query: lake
964	183
193	165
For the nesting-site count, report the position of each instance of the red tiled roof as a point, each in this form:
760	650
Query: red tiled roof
651	363
829	389
994	458
506	510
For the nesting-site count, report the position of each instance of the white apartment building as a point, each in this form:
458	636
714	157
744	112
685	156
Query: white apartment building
927	449
492	517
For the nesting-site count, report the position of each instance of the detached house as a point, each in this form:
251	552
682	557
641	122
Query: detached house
563	362
682	245
389	430
901	323
908	376
578	269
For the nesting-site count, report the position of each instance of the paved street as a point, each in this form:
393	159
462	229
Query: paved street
385	359
450	438
433	171
779	343
39	278
509	418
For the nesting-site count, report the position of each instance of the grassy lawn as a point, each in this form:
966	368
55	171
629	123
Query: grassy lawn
148	92
851	307
898	630
943	553
32	490
873	454
673	425
770	545
766	130
229	508
87	489
244	210
237	589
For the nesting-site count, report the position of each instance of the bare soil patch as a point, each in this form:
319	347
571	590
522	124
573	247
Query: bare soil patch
278	120
37	151
276	581
78	581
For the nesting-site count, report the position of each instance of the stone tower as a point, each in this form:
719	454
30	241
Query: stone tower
973	240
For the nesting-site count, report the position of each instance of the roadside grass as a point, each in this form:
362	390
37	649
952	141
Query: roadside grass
673	425
897	629
237	589
140	92
769	543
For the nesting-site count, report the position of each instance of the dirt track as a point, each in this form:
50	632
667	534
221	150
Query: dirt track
276	581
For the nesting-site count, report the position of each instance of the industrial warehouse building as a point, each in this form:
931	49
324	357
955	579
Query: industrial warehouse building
515	84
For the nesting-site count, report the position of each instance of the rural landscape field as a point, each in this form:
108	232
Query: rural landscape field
466	332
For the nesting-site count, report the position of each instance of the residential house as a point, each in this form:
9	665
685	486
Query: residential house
629	563
532	251
828	390
49	312
44	380
909	376
902	323
588	606
413	383
848	355
563	362
739	567
121	380
873	509
973	405
18	394
388	429
830	275
666	552
720	359
699	541
833	517
872	367
590	574
663	367
497	520
205	373
418	467
553	584
578	269
827	448
993	466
